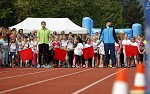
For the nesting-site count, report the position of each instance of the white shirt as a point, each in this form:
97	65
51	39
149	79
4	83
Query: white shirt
70	46
31	45
13	47
20	46
78	49
64	43
101	49
126	42
95	47
134	44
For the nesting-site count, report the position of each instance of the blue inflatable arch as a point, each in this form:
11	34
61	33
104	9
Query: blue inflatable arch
136	29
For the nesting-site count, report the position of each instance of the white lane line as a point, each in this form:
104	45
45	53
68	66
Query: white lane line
84	88
39	82
26	74
14	70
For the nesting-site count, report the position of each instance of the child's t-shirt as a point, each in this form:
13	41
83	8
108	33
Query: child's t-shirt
141	47
70	46
116	46
101	49
64	43
78	49
56	44
95	47
13	47
126	42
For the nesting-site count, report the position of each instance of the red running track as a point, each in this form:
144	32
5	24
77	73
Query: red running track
60	81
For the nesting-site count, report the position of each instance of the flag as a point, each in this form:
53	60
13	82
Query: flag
88	52
26	54
131	50
60	54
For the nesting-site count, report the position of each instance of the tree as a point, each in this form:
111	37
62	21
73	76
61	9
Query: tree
7	17
132	12
122	12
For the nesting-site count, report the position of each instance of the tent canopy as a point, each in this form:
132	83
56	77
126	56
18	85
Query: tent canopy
53	24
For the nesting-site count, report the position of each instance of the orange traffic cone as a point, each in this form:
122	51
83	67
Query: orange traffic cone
140	81
120	86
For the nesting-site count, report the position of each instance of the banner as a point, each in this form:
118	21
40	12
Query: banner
88	52
60	54
26	54
131	50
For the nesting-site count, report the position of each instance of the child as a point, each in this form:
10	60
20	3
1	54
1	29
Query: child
32	45
78	51
64	42
88	44
70	52
117	51
134	58
25	45
101	54
20	47
50	53
13	49
95	47
4	50
56	44
141	50
125	41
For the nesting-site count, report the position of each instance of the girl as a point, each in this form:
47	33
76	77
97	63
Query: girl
89	61
95	47
141	50
4	50
117	51
78	51
25	45
13	49
70	52
50	53
133	58
64	42
56	44
32	45
125	41
101	54
20	47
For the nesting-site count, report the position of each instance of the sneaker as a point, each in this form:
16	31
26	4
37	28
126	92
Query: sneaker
84	66
113	66
48	66
105	66
110	66
38	66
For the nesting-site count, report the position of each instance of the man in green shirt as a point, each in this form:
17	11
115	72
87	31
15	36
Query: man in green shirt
43	36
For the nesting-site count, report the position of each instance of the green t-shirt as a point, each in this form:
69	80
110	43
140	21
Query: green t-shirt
43	35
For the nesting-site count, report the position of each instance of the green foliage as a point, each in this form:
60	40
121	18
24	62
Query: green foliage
123	14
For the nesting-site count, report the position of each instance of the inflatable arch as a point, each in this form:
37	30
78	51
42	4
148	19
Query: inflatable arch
136	29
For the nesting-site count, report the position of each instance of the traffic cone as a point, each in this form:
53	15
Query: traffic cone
140	81
120	86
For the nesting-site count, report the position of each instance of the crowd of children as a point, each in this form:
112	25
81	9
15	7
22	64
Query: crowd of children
11	42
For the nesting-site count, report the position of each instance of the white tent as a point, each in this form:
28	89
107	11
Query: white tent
53	24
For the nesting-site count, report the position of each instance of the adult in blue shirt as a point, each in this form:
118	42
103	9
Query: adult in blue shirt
108	36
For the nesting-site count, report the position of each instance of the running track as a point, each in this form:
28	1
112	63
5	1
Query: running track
60	80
